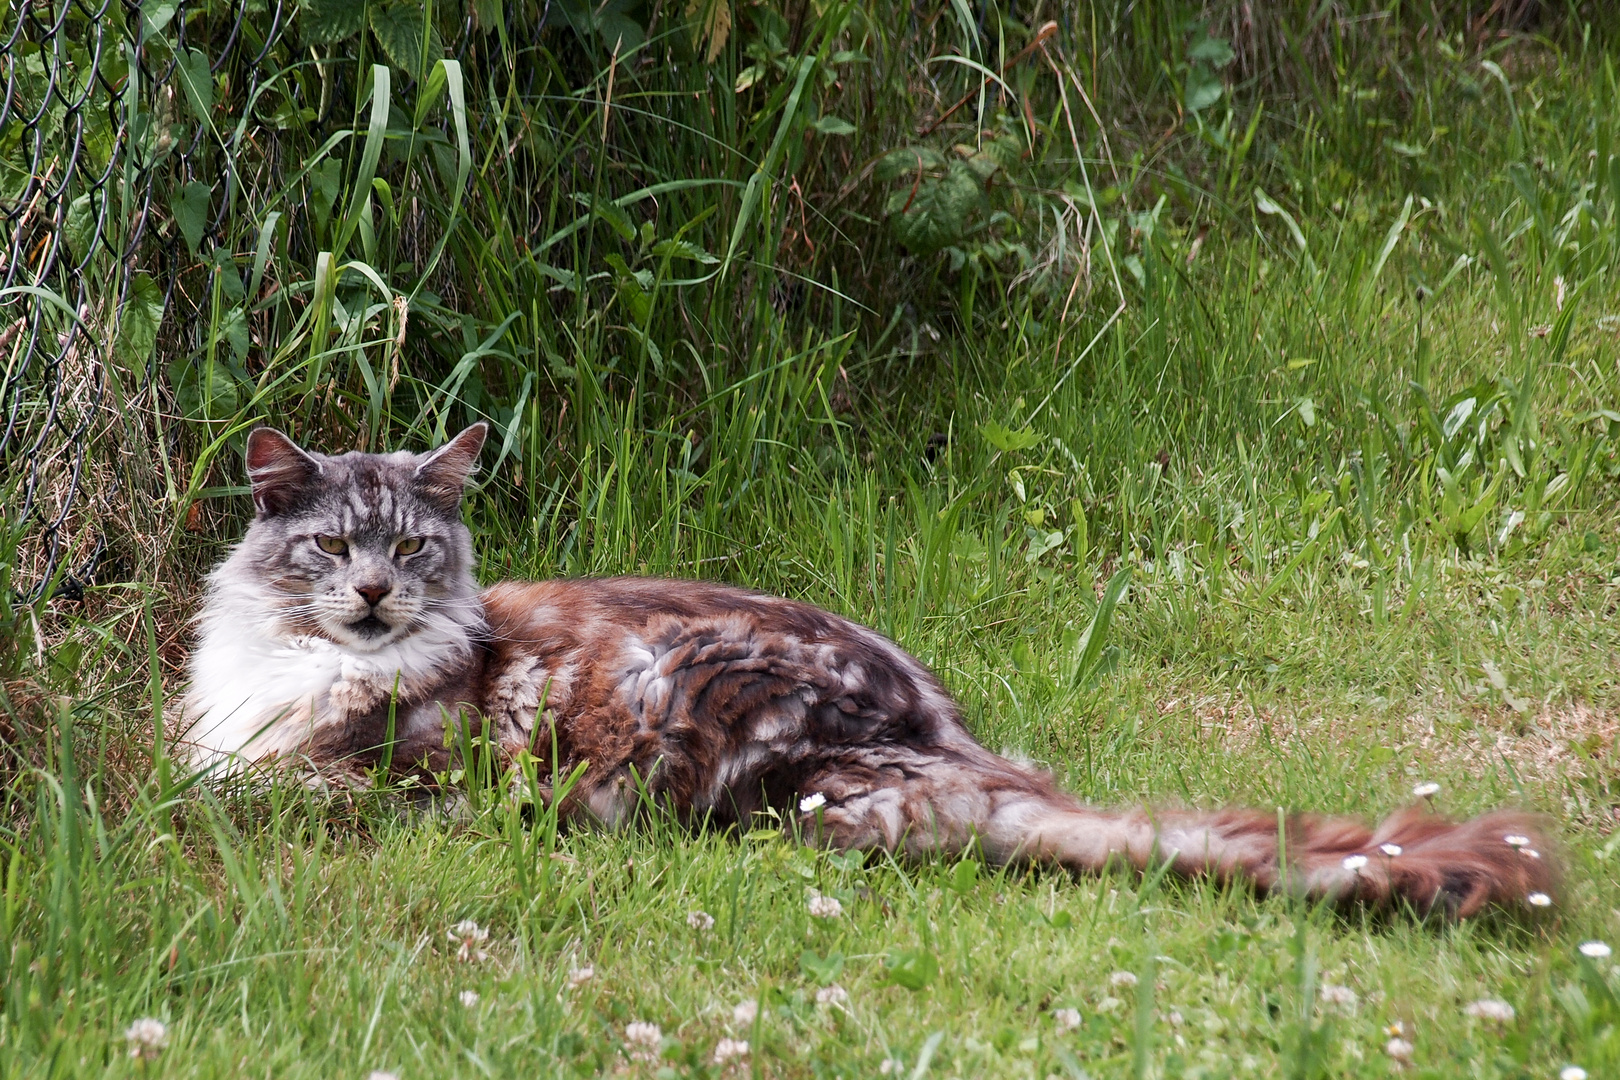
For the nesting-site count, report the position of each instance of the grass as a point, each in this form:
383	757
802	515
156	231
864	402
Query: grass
1338	389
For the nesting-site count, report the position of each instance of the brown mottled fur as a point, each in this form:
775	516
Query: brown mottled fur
724	702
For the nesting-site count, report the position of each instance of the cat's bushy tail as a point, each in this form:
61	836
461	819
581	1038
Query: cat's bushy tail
1412	857
947	798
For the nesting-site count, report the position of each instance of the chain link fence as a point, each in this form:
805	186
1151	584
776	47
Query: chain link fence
112	172
164	167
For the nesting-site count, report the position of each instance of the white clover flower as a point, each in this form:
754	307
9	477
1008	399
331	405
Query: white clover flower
823	907
745	1013
1175	1018
811	803
1391	850
726	1049
1425	790
467	936
579	976
1572	1072
1122	978
1066	1019
1339	997
644	1040
700	921
1399	1049
1539	899
1497	1012
147	1037
832	995
1354	863
1597	950
1515	840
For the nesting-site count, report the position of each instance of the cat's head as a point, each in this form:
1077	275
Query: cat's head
361	549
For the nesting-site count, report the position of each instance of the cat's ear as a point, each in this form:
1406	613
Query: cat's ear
443	474
277	469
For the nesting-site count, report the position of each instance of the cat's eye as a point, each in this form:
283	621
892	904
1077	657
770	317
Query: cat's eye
408	546
332	545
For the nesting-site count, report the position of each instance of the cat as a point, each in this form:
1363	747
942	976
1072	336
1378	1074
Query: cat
350	610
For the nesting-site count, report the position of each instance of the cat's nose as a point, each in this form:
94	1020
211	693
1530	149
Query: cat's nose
373	593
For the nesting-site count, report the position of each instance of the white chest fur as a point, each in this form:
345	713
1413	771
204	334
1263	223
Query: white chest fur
257	694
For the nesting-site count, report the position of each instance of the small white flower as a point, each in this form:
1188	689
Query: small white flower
890	1065
1515	840
1395	1030
700	921
1339	997
1354	863
469	998
1497	1012
745	1013
1597	950
579	976
1539	899
1122	978
811	803
1391	850
1175	1018
726	1049
147	1037
823	907
1530	853
1572	1072
1066	1019
1425	790
644	1040
1399	1049
832	995
468	935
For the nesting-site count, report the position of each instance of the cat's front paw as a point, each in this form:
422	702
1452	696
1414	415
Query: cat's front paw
360	688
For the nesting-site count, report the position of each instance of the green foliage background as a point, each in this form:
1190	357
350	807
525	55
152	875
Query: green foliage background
1300	314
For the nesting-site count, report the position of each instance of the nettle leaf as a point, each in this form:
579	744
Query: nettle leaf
1213	51
324	22
197	81
155	15
612	213
401	30
139	319
908	161
79	230
1203	88
190	207
938	213
233	331
683	249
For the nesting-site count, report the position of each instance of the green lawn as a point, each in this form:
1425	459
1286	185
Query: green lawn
1352	429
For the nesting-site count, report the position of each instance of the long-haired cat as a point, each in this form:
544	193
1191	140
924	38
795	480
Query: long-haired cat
350	605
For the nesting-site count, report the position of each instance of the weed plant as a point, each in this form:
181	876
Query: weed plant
1302	329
